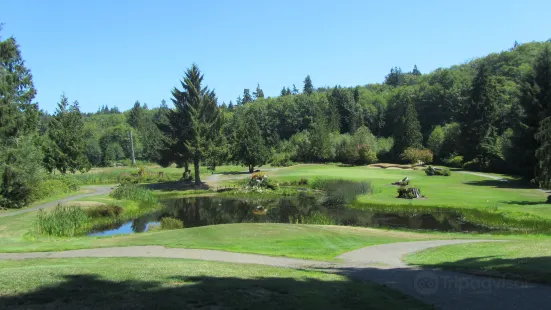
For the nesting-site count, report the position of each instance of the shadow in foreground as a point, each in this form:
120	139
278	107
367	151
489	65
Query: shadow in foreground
203	292
436	288
533	269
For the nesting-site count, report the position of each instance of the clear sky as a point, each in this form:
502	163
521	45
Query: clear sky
116	52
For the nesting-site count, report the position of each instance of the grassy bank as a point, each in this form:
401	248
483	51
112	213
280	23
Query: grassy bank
147	283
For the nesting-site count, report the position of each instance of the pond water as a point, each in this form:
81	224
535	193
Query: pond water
204	211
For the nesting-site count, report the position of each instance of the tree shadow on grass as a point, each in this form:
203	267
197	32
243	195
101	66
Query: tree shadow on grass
204	292
524	203
532	269
504	183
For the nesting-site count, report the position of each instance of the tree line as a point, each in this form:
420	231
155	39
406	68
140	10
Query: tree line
489	114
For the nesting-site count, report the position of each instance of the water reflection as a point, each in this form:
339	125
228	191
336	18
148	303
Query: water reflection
204	211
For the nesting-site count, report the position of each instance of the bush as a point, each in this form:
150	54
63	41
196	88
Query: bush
168	223
104	211
454	161
414	156
430	171
260	180
134	192
445	171
281	160
62	221
366	156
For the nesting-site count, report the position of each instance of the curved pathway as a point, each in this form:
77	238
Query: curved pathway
380	264
96	190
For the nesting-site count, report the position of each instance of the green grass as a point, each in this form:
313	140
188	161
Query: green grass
458	190
529	260
153	283
300	241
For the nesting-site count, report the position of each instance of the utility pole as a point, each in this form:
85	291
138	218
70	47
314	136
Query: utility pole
132	150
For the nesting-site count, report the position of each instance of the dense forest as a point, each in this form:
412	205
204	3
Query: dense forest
489	114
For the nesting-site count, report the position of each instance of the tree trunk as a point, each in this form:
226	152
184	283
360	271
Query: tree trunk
196	163
251	168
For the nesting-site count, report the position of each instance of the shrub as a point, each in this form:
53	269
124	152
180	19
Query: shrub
62	221
259	181
366	156
430	171
134	192
454	161
281	160
171	223
104	211
445	171
303	181
50	188
413	156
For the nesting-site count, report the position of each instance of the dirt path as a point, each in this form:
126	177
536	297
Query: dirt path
96	190
380	264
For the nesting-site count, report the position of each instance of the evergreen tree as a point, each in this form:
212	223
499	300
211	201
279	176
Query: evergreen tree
283	92
308	86
20	157
246	96
250	147
408	130
543	154
230	106
395	77
478	131
194	125
136	116
415	71
66	152
287	91
258	93
357	94
295	90
18	114
535	101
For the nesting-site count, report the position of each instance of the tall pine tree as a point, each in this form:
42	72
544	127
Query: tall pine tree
407	132
193	126
535	101
66	148
478	131
308	86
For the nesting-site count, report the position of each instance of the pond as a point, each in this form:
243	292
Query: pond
204	211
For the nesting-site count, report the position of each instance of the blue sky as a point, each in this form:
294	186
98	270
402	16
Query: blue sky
116	52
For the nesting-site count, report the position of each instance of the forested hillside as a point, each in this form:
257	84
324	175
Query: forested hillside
489	114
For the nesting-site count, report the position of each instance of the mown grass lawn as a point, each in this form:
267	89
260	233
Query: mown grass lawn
147	283
529	259
457	190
